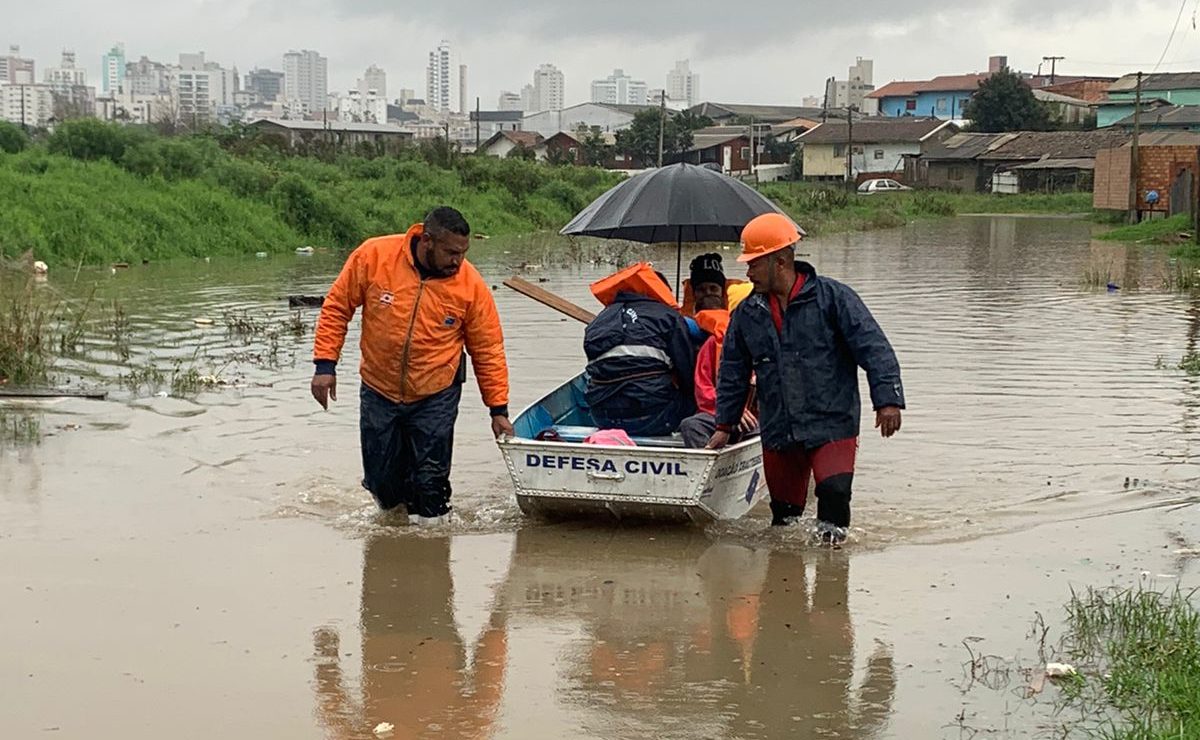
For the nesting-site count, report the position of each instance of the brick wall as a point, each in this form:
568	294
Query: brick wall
1157	168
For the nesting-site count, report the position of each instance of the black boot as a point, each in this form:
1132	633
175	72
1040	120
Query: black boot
784	514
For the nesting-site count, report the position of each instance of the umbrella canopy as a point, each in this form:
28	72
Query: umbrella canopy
677	203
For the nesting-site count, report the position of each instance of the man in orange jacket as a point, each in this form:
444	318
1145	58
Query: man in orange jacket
422	305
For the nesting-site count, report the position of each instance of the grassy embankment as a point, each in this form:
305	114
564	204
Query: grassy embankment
823	210
97	193
1176	230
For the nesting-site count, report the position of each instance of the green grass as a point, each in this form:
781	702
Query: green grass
98	194
28	326
1159	230
823	209
1138	652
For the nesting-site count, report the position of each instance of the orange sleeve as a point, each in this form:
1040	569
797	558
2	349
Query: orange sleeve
345	295
485	343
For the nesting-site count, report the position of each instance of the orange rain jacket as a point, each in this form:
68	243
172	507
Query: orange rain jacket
413	329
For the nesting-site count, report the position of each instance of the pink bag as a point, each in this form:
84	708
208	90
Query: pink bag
609	437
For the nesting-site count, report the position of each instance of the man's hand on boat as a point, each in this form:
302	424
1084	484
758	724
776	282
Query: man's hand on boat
324	389
887	420
748	424
502	426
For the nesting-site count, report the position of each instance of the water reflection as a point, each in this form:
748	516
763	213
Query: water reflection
667	635
417	672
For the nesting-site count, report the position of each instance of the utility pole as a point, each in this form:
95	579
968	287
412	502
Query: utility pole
477	143
850	146
1052	60
662	123
1133	151
751	162
24	125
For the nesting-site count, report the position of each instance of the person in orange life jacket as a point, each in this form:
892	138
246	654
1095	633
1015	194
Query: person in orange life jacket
709	287
641	359
804	336
423	307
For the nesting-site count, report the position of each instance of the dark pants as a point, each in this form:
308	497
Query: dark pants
698	429
658	421
832	467
406	450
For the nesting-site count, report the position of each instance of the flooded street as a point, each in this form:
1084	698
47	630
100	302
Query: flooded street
194	567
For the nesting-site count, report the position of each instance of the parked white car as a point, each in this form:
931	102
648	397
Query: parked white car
881	185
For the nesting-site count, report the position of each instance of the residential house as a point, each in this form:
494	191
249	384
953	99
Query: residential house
1025	160
1164	118
877	146
341	133
946	96
601	117
727	113
562	148
726	147
1175	88
1168	164
942	97
790	131
1091	89
504	142
897	98
1066	110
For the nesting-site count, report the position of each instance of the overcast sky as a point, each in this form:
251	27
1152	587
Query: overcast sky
776	51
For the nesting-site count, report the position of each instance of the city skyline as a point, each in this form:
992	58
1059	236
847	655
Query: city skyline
897	37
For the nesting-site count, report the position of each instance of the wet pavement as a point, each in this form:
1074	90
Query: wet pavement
207	565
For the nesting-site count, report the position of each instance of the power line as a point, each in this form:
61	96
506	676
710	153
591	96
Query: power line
1092	63
1171	38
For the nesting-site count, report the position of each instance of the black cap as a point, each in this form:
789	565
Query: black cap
707	269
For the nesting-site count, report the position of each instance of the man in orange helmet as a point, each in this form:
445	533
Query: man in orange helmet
422	305
804	336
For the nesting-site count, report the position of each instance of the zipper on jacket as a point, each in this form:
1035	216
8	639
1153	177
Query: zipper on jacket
412	322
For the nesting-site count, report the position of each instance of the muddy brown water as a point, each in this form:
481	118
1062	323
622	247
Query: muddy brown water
209	566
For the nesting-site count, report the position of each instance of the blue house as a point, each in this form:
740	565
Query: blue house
942	97
1160	89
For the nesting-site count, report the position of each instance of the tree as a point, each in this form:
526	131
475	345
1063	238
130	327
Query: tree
1004	102
520	151
640	140
596	152
12	138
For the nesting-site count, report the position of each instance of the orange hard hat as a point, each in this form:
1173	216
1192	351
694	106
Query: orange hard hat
768	233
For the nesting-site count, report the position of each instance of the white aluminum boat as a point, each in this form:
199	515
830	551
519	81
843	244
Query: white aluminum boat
658	479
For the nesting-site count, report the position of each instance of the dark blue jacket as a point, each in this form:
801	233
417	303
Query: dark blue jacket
808	379
640	357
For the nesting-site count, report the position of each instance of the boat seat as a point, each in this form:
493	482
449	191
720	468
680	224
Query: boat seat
571	433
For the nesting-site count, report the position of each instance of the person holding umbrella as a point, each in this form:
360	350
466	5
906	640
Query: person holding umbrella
803	336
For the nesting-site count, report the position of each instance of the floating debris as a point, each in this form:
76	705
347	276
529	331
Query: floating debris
1060	670
305	250
40	268
203	321
260	255
384	729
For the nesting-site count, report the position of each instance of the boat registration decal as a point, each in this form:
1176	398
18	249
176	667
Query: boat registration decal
735	468
630	467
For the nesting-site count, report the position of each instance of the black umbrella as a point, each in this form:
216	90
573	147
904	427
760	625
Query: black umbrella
677	203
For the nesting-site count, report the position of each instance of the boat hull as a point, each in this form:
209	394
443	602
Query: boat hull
571	479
